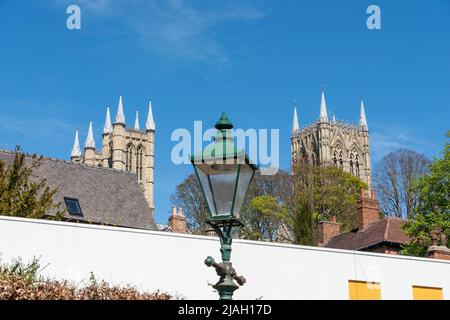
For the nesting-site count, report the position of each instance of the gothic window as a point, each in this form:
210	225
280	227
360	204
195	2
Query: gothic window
140	162
357	166
351	164
129	158
110	155
337	157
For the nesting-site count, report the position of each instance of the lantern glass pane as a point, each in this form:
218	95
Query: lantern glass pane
223	183
204	181
245	176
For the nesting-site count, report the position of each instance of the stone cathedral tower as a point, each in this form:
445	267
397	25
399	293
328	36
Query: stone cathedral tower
333	143
125	149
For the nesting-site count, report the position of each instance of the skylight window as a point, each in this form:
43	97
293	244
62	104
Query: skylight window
73	206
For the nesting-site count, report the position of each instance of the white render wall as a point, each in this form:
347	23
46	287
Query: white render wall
174	263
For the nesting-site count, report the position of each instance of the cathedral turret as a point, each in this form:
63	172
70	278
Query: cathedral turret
107	127
150	124
148	182
295	125
324	135
136	122
75	155
365	146
106	140
362	117
323	109
120	117
89	147
118	138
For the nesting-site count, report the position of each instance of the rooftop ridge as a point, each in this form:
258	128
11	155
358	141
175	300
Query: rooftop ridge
66	161
338	123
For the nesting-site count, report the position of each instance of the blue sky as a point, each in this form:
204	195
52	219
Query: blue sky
195	59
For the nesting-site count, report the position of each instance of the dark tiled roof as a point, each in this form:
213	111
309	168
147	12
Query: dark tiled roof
105	196
385	230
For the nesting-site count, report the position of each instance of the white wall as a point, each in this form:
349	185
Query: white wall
174	263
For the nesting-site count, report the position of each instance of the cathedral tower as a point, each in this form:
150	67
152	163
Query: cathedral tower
124	149
333	143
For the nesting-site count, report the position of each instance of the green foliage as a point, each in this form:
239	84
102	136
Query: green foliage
304	224
22	195
433	209
263	218
320	193
21	281
27	271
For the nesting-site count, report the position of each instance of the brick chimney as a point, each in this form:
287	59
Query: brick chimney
438	250
177	221
368	210
326	230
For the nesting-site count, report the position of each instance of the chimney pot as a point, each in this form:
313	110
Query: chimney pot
177	222
326	230
368	210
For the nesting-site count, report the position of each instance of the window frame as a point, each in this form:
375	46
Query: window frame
77	202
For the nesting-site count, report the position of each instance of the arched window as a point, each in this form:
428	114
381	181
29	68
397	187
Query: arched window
352	171
335	158
357	166
341	162
110	155
140	162
129	158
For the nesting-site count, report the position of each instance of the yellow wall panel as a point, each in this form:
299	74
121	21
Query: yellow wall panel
360	290
427	293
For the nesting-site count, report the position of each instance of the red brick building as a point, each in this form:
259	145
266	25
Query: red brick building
373	234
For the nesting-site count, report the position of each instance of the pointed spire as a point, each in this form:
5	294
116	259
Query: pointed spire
90	143
323	109
107	128
362	116
295	125
136	122
150	124
76	152
120	117
334	117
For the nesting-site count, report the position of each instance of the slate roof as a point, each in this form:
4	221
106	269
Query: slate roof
386	230
106	196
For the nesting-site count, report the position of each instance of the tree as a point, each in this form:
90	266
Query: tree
22	194
433	206
263	218
319	194
189	197
394	177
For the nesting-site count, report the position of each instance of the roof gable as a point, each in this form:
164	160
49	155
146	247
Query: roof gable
105	196
385	230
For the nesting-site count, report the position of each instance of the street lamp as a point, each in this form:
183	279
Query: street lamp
224	174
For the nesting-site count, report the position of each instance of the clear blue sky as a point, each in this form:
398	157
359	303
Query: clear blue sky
195	59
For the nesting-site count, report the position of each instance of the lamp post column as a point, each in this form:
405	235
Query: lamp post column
225	286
